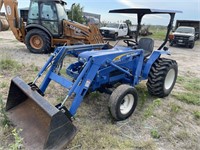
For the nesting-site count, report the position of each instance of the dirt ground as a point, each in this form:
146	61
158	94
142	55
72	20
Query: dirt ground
188	59
133	133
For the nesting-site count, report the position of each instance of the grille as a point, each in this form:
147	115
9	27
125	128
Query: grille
105	31
181	37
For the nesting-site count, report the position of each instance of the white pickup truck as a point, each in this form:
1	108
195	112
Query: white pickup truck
115	30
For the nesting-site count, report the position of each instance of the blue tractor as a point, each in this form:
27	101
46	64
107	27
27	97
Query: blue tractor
99	67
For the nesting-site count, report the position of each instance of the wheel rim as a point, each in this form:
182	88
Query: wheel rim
127	104
169	80
36	42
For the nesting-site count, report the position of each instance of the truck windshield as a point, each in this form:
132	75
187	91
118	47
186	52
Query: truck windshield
185	30
61	12
112	25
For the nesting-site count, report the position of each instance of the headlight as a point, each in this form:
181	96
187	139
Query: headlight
191	38
112	32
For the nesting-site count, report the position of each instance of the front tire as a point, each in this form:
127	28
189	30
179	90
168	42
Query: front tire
162	77
37	41
192	45
123	102
115	37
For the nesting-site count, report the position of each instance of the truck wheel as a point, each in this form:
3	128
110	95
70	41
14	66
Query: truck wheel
123	102
162	77
191	45
170	43
37	41
115	36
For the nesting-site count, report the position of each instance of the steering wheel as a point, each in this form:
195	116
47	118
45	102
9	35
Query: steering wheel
131	43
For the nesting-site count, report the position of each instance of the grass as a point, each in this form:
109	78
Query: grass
9	64
196	114
182	135
3	117
159	32
191	94
3	85
155	134
18	141
149	111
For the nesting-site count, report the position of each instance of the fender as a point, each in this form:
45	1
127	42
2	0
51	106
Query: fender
154	56
33	26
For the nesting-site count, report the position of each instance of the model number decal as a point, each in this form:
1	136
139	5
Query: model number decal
8	9
123	56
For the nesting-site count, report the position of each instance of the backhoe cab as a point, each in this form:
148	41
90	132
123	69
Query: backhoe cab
48	26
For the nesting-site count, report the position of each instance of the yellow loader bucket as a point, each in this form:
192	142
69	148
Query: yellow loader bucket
43	125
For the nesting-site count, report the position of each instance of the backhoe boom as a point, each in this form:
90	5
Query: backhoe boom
14	21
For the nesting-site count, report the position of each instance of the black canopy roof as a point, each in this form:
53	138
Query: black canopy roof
144	11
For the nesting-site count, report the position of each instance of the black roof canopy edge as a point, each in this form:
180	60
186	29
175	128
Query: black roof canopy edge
144	11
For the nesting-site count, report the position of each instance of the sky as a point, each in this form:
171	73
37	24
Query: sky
190	8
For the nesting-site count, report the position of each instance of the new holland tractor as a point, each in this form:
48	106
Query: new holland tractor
51	126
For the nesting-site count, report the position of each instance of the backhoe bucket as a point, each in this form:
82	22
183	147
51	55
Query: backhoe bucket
43	125
4	26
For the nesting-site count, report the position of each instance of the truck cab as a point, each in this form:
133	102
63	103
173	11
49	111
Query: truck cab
114	30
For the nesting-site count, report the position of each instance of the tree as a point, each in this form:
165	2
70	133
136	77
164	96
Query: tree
76	13
128	22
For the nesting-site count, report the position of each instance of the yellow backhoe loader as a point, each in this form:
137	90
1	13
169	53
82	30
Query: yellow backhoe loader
47	26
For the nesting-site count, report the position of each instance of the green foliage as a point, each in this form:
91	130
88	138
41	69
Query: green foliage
158	32
3	117
3	85
149	111
191	94
76	13
196	114
155	134
143	95
128	22
175	108
18	140
9	64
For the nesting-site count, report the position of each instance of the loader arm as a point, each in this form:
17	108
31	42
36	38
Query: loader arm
78	32
16	24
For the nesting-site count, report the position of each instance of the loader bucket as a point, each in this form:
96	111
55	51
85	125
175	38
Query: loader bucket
43	125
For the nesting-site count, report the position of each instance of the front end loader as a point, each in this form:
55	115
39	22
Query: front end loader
120	67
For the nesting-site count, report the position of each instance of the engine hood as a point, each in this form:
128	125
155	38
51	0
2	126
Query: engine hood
110	29
182	34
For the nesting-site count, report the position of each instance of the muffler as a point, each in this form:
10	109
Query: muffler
43	125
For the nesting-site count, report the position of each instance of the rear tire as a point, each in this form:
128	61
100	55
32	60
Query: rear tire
192	45
123	102
162	77
37	41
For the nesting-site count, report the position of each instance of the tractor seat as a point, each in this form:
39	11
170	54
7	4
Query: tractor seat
147	44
